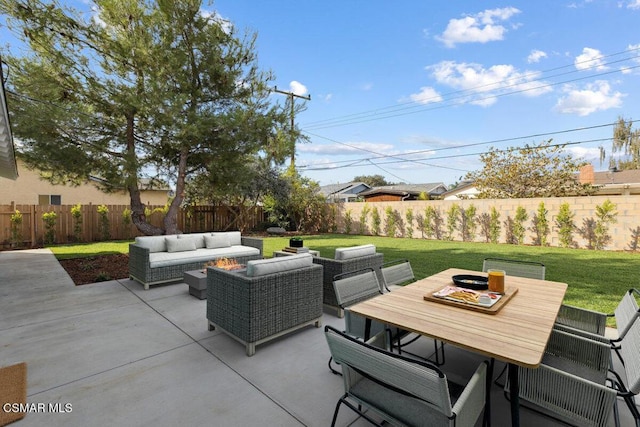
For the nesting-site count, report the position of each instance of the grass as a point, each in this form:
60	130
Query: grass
597	279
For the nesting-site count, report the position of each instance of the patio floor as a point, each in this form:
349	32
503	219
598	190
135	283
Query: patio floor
124	356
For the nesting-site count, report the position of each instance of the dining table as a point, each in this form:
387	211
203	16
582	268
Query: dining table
516	334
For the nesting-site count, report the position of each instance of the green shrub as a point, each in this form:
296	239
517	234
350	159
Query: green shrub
409	217
453	215
49	219
103	221
468	223
518	225
566	226
16	228
540	226
76	214
606	214
494	225
376	220
363	219
348	221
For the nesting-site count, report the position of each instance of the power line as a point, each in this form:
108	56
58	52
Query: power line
429	150
396	110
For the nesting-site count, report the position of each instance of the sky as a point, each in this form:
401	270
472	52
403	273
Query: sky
415	90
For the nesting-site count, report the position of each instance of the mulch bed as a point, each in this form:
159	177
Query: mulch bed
97	268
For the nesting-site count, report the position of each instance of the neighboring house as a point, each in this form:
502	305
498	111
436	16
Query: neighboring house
402	192
8	165
30	189
465	190
611	182
343	192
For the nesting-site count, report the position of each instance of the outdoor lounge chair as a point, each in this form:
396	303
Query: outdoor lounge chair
402	391
346	260
530	269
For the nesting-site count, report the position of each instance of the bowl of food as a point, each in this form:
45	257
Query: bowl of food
469	281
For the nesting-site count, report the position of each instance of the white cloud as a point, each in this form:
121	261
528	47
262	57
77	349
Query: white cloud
590	59
482	27
484	84
594	97
634	4
298	88
587	153
535	56
225	24
426	96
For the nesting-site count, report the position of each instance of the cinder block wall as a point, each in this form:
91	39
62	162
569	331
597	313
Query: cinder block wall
628	218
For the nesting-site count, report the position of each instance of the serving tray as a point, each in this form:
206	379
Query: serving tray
510	291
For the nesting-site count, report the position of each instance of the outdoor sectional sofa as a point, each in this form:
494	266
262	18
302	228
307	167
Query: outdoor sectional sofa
269	298
161	259
346	260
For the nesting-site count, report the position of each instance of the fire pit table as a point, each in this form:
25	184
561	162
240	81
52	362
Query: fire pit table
197	279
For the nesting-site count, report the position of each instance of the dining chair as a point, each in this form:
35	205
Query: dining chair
570	383
589	322
629	387
512	267
394	274
400	390
351	288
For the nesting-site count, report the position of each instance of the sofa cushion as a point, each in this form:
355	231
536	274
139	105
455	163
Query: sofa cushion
153	243
355	252
217	240
180	245
164	259
235	237
262	267
198	238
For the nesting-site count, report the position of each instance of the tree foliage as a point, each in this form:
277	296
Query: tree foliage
156	88
532	171
372	180
626	141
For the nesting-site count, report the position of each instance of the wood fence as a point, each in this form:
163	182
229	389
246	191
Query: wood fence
115	224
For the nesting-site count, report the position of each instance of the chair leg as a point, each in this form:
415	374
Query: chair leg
331	367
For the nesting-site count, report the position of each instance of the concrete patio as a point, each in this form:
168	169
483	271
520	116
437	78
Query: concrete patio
124	356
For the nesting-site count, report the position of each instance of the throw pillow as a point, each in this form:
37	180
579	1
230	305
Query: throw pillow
355	252
217	240
180	245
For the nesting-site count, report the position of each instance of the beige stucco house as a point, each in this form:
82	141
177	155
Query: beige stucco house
29	189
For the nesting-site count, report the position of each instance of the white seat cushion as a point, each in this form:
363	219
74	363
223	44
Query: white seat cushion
279	264
164	259
355	252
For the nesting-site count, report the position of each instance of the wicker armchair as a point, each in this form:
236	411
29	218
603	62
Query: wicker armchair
335	267
403	391
254	310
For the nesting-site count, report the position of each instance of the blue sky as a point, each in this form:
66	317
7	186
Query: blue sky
414	90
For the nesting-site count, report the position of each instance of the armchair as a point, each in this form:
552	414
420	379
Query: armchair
346	260
271	298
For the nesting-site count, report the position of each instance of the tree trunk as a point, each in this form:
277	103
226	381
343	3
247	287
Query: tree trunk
171	218
138	217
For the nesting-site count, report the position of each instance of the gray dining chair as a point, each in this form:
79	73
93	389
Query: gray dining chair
351	288
570	383
395	274
400	390
512	267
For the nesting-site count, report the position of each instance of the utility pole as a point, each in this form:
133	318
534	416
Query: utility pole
291	96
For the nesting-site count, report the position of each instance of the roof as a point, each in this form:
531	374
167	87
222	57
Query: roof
8	165
403	189
349	187
631	176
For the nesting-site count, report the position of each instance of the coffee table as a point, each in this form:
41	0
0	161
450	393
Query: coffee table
197	281
285	253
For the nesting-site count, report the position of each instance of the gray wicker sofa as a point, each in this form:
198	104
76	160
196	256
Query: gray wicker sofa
161	259
347	259
272	297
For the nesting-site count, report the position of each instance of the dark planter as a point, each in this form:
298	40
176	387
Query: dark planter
295	243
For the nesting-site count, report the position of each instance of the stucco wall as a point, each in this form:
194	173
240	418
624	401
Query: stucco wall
628	218
26	189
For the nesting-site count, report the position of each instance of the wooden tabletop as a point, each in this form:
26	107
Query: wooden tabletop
518	333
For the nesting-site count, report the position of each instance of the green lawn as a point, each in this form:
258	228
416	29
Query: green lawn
597	279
